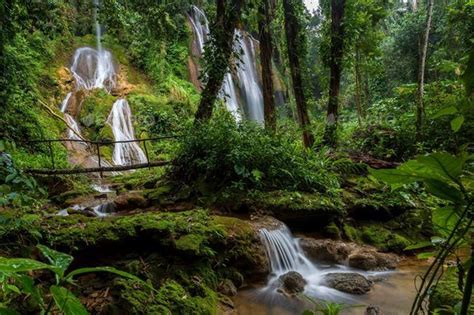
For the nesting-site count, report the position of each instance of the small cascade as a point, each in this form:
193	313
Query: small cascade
65	102
285	254
200	26
93	69
120	119
248	77
74	132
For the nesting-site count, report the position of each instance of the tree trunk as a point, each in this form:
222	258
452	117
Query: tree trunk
358	86
292	30
420	109
265	17
220	50
335	65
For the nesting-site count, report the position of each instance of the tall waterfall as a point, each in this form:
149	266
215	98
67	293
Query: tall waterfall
93	69
120	119
284	253
248	77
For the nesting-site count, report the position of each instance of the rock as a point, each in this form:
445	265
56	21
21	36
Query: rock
130	201
227	287
369	259
351	282
326	250
373	310
292	283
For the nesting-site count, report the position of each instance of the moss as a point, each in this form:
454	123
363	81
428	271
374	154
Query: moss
378	236
191	243
447	295
333	231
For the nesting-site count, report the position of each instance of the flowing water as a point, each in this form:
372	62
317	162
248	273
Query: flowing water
249	97
285	254
93	69
120	119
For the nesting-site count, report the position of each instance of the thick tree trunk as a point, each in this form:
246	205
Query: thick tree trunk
420	108
292	29
335	65
265	18
221	47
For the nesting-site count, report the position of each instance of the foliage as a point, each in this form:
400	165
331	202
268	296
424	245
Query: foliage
16	280
222	154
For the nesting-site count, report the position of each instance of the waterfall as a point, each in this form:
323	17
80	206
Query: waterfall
248	77
200	26
120	119
65	102
285	253
74	131
93	69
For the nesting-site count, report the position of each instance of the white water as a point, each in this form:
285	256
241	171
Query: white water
65	102
200	26
93	69
248	77
120	119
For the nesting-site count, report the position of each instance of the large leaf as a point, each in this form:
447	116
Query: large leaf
419	245
456	123
444	164
8	311
28	287
13	265
444	220
445	111
59	260
442	190
67	302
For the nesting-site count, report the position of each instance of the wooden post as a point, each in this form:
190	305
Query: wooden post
51	153
146	153
98	155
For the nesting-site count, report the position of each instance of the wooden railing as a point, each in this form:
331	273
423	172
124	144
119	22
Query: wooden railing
96	145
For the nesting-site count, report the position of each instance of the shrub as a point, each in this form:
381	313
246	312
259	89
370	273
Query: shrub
222	154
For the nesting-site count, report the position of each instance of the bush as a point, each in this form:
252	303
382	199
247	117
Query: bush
221	154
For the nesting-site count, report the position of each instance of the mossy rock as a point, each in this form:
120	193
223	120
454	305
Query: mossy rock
378	236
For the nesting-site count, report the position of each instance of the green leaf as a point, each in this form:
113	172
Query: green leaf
67	302
442	190
445	111
7	311
419	245
28	287
103	269
425	255
13	265
444	219
468	75
456	123
59	260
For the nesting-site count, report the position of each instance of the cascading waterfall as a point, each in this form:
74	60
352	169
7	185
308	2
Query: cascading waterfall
74	132
248	77
285	254
120	119
93	69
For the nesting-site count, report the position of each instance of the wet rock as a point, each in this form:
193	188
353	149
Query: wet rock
130	201
372	260
326	250
373	310
292	283
351	282
227	287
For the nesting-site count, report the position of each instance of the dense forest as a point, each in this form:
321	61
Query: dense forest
236	157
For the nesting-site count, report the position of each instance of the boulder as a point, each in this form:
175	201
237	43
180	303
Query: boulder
326	250
369	259
292	283
351	282
130	201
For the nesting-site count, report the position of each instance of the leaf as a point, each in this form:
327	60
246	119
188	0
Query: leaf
13	265
103	269
8	311
468	75
419	245
67	302
57	259
444	219
456	123
442	190
28	287
425	255
445	111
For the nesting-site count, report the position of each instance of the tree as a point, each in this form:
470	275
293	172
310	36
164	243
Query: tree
420	108
335	65
265	15
294	41
218	53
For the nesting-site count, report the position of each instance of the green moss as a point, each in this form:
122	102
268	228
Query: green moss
190	243
333	231
447	295
378	236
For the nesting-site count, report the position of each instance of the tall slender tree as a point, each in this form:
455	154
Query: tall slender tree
335	65
294	45
420	108
265	16
219	51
